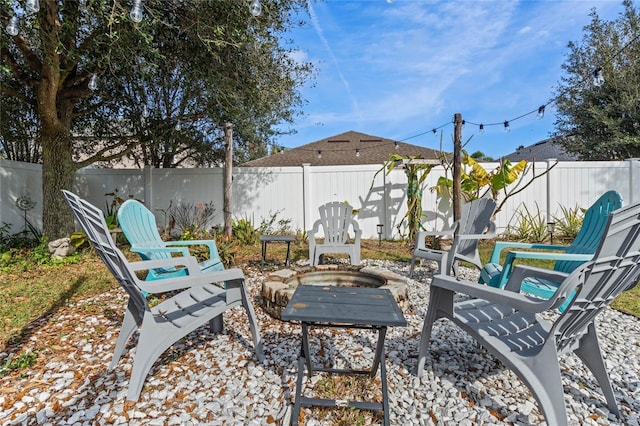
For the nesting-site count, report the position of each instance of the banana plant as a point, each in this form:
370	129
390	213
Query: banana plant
416	175
477	182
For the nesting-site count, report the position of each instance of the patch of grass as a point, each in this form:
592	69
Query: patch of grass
30	292
38	291
21	362
348	388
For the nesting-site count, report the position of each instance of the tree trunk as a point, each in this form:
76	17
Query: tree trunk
58	172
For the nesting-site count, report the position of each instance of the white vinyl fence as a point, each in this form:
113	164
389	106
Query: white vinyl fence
296	192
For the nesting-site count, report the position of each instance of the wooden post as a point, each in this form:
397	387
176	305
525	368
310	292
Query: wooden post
457	165
228	177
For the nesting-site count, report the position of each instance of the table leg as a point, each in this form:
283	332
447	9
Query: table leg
296	404
264	254
287	263
379	354
385	396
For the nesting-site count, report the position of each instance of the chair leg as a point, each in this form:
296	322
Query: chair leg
437	297
589	352
253	324
542	376
413	264
129	326
217	324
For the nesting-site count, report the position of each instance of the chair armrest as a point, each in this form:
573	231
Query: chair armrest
522	272
501	245
314	229
210	244
194	279
421	235
142	249
513	255
496	295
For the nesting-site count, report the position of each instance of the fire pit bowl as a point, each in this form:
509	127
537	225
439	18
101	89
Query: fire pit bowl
279	286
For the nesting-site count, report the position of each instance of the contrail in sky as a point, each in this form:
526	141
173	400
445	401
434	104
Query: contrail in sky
316	26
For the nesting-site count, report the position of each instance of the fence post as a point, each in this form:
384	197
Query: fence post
634	175
306	196
549	188
147	181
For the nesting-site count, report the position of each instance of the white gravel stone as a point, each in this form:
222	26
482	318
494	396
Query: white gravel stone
215	379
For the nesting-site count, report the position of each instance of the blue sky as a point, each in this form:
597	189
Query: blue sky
400	68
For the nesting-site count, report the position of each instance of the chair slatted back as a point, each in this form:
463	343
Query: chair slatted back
475	219
139	226
614	269
335	219
91	219
593	225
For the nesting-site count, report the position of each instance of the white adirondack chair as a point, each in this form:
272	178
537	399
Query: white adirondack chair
335	220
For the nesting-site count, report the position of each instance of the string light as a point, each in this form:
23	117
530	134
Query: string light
397	145
541	112
13	27
507	128
93	83
178	126
136	12
598	77
319	154
255	7
481	128
33	6
357	152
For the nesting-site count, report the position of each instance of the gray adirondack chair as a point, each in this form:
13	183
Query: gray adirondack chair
474	224
507	323
199	300
336	219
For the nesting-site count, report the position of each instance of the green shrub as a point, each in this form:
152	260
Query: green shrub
530	227
274	226
244	231
570	223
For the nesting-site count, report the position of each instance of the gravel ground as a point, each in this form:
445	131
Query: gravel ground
215	379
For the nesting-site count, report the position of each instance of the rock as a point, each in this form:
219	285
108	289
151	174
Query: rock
61	248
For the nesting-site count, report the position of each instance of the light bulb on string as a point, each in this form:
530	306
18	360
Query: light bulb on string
598	77
145	111
178	126
33	6
541	112
319	154
507	128
13	27
136	12
93	83
435	132
397	145
481	128
255	7
357	152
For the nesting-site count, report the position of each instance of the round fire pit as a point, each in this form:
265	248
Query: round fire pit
279	286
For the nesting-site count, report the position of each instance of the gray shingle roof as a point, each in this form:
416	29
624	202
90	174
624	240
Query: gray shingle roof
340	150
541	151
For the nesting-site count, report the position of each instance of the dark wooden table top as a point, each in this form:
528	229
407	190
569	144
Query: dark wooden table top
344	305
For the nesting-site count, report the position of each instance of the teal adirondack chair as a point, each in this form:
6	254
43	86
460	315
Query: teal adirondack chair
567	258
138	224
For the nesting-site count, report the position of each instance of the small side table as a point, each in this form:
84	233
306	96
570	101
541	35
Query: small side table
264	239
342	307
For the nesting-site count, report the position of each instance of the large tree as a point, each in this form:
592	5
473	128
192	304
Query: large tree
166	86
601	120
